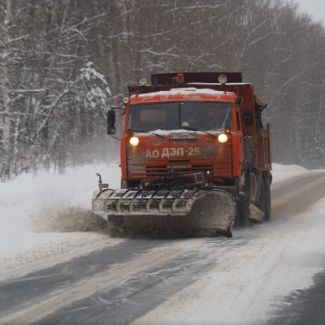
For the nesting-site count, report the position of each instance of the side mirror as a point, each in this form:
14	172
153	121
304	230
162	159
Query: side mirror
111	122
248	118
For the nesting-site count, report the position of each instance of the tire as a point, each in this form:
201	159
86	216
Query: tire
267	196
243	210
243	203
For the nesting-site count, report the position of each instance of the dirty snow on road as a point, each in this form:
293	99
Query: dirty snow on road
46	216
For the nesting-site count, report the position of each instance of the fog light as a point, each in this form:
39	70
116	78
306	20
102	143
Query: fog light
134	141
222	138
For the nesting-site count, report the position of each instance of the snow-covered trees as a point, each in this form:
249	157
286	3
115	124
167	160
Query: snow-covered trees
5	85
52	102
43	45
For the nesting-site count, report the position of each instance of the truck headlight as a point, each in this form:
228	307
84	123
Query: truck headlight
134	141
222	138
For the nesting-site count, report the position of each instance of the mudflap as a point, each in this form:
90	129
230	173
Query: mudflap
187	212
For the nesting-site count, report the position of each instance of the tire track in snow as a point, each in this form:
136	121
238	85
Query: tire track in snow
32	288
142	292
120	271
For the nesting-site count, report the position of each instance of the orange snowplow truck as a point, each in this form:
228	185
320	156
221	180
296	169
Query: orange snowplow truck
194	152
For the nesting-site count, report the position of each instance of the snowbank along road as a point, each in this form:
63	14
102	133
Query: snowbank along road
271	273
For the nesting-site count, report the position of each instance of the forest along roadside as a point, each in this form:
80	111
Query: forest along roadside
109	269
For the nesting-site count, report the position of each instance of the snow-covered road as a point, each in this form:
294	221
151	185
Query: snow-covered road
249	279
45	219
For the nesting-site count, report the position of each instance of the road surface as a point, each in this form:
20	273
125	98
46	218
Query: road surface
271	273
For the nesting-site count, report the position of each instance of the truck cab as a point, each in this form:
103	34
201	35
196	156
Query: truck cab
182	132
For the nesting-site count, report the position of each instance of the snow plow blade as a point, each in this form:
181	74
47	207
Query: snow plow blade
192	210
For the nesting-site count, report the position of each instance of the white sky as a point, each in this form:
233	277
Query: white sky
316	8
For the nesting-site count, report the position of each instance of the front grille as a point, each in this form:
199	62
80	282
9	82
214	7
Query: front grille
179	169
156	170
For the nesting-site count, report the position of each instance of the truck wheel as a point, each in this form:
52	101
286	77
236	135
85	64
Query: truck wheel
243	204
266	181
243	210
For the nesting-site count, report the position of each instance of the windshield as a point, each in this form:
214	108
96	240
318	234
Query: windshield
202	116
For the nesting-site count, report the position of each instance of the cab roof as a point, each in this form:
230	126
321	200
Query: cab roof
184	94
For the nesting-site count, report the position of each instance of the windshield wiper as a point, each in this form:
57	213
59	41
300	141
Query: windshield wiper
193	129
143	131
